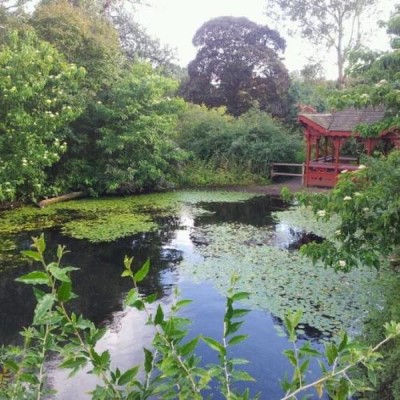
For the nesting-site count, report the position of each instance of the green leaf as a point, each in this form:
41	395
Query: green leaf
290	355
237	339
242	376
151	298
128	263
34	255
240	296
43	306
188	347
331	352
343	342
148	360
238	361
233	327
40	243
307	350
159	318
142	273
58	273
214	345
239	312
74	363
34	278
304	366
182	303
128	375
64	292
131	297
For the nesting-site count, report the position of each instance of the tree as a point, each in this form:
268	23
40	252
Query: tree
126	139
38	97
376	82
334	23
86	39
237	65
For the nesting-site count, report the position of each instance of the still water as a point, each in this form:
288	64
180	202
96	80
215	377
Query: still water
101	291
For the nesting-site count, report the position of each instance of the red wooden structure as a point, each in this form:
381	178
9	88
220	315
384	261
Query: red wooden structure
325	136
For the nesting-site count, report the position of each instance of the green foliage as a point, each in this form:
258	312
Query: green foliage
211	173
387	379
310	92
124	142
136	142
367	203
249	143
171	367
376	82
84	38
38	97
238	65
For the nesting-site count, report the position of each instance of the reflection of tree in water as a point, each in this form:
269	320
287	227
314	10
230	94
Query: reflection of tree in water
304	332
299	238
255	211
98	282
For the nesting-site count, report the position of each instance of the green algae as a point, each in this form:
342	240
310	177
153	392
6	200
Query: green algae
107	219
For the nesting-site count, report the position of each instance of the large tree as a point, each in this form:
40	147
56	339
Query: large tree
333	23
85	38
376	82
238	64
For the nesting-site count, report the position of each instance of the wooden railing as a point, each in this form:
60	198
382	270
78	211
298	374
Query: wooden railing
275	170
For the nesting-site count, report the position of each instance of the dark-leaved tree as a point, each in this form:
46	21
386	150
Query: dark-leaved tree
238	65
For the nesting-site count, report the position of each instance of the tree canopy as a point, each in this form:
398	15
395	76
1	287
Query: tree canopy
376	81
237	65
335	23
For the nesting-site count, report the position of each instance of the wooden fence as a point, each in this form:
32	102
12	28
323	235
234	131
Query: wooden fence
275	170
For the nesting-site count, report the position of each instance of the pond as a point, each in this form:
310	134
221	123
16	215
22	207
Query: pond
195	241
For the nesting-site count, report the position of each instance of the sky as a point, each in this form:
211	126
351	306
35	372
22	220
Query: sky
175	22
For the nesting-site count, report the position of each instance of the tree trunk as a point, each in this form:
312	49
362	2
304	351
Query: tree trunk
58	199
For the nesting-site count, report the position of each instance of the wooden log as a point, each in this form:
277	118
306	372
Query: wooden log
59	199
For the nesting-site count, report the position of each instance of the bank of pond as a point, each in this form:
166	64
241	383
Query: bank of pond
195	240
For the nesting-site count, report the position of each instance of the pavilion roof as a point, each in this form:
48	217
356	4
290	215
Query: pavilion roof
346	120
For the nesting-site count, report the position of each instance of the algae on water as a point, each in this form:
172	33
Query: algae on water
108	219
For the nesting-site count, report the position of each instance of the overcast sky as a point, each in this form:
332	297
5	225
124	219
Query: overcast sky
175	22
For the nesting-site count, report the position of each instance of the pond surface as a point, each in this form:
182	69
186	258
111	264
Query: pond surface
195	241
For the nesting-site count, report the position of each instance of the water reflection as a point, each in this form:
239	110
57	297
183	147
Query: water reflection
101	291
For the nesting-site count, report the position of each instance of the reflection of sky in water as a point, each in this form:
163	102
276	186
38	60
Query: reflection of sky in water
182	240
125	338
127	332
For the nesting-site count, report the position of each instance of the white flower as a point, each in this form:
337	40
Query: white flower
342	263
364	96
362	166
338	232
344	171
357	194
321	213
347	198
365	209
383	81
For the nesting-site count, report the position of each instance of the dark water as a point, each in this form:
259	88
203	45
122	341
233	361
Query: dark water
101	292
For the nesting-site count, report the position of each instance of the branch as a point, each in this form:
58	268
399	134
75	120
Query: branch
337	373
